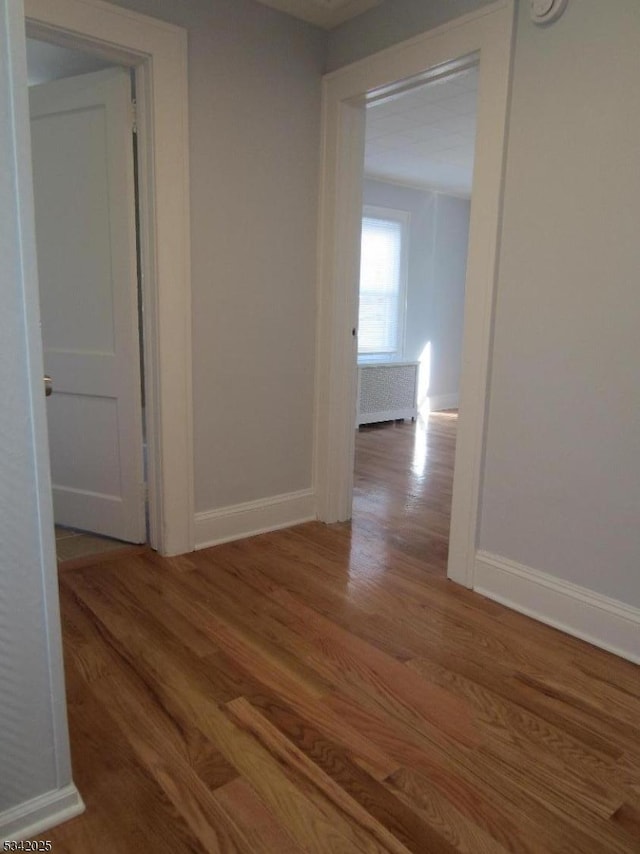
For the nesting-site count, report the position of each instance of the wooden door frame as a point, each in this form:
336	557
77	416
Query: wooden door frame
486	34
158	53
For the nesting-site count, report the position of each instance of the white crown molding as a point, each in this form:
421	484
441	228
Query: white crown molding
416	185
593	617
421	188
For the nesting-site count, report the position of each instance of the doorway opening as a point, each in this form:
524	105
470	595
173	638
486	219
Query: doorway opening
418	172
484	38
84	163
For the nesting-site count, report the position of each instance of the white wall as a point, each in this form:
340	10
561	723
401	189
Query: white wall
392	22
34	760
254	107
437	263
562	471
562	474
47	62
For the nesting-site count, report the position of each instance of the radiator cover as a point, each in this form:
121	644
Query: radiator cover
387	391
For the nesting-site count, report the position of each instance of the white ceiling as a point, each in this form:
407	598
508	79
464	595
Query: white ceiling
323	13
425	138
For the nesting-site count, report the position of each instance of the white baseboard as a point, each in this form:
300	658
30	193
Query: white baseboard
39	814
438	402
386	415
254	517
573	609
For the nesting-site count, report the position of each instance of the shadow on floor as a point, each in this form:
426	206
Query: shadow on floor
72	544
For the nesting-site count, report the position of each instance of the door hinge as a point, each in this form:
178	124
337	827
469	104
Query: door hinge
134	115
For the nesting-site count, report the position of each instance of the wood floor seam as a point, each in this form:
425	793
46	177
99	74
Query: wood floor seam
325	689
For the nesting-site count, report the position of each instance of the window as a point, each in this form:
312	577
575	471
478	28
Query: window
382	283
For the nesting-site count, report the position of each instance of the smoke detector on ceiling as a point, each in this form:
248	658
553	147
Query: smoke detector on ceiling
546	11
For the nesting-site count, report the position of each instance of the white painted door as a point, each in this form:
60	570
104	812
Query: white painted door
82	154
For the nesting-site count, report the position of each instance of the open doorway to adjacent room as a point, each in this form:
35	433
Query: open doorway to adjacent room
153	54
418	172
481	40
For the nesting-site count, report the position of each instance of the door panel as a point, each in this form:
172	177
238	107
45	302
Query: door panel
85	229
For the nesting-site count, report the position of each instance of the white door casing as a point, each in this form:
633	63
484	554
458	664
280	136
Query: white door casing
158	53
82	154
486	34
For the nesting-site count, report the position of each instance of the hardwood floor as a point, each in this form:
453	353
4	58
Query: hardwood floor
403	486
326	689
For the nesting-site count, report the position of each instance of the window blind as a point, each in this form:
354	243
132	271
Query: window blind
381	292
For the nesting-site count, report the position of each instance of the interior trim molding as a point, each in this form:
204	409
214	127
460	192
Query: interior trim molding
585	614
41	813
238	521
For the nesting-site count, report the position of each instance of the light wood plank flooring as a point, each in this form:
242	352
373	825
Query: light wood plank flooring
326	689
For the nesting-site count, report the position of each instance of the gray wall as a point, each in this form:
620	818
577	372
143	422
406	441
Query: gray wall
32	718
393	21
437	264
562	469
254	101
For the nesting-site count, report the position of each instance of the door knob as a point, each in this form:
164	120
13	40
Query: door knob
48	386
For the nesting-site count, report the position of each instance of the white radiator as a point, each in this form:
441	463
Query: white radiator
387	391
